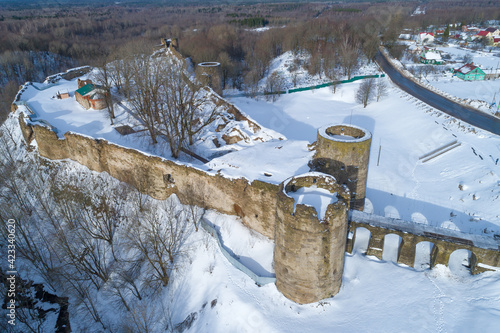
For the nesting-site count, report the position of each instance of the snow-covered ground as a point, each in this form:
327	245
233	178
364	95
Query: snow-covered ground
67	115
484	59
376	296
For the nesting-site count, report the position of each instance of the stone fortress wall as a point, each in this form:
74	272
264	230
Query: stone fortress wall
254	202
266	208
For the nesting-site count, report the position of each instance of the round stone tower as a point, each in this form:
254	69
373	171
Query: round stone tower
310	237
209	74
343	151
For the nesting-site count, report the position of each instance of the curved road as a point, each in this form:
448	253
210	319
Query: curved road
469	115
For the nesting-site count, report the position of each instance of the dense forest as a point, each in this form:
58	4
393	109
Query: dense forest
38	42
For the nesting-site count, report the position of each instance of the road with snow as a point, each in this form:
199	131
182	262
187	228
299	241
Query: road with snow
471	116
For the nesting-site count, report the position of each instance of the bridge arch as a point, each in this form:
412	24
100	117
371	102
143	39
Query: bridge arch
361	240
392	247
424	255
462	262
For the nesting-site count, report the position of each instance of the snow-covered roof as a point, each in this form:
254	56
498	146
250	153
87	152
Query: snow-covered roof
432	55
92	90
467	68
426	36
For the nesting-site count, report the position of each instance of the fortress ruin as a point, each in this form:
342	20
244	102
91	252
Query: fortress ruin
309	246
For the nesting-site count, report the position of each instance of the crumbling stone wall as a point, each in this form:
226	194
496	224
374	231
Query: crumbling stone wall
254	202
309	253
343	151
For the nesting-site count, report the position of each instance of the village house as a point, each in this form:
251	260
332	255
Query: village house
469	72
90	96
426	37
432	57
485	34
493	31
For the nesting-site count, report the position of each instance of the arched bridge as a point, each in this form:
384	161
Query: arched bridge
416	246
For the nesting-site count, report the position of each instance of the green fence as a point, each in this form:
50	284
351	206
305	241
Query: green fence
324	85
319	86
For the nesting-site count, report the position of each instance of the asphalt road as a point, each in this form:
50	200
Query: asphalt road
471	116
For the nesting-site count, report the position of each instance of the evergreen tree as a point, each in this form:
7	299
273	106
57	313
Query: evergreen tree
446	33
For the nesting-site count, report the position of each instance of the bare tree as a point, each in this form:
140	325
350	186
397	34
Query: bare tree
103	78
467	58
159	236
275	84
251	81
370	46
145	96
146	317
331	72
364	94
227	67
85	298
128	278
380	89
168	103
348	53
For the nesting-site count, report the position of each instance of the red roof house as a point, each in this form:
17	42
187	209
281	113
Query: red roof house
469	72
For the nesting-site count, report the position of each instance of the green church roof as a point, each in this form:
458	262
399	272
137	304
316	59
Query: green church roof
85	89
